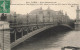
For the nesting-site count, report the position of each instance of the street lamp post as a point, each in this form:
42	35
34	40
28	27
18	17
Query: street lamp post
37	20
15	23
15	17
43	20
49	13
53	19
27	19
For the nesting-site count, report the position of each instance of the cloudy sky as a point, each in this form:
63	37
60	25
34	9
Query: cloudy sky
24	9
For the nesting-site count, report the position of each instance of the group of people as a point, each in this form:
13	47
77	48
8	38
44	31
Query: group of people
3	17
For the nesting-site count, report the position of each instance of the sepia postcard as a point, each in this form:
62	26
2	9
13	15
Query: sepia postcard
39	24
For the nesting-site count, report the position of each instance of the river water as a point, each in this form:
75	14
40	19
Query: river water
51	39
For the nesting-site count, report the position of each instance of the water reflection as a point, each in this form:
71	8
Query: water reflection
71	39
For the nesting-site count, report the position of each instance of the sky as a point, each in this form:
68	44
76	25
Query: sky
24	9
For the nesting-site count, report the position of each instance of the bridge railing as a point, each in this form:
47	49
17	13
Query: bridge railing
30	24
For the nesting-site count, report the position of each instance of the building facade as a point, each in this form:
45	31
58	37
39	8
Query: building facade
49	15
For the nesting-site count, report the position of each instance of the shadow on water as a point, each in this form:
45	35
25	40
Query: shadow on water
43	39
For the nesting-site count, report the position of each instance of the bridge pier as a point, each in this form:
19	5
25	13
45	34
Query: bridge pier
77	26
5	36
